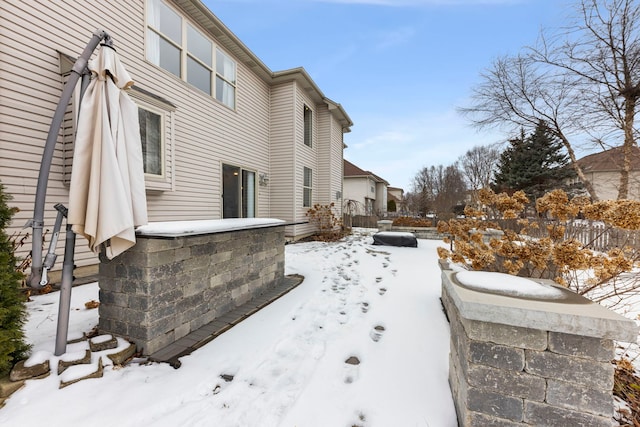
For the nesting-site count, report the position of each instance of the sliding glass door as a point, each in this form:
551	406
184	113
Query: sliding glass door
238	192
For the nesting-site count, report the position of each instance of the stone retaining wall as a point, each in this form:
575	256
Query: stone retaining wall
164	288
430	233
514	368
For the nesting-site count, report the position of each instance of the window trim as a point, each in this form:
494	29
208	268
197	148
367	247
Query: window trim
240	191
307	125
146	100
307	188
163	139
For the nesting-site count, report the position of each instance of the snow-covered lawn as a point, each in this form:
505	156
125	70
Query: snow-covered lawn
376	305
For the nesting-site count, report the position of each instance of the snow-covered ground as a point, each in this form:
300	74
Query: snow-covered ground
288	362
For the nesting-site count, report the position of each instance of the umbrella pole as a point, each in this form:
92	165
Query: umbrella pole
64	307
37	223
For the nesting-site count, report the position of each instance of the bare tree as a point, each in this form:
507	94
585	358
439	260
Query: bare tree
582	80
477	166
438	189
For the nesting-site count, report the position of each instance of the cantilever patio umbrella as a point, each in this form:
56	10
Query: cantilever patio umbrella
107	196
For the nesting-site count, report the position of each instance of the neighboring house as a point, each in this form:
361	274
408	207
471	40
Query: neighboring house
397	195
603	170
368	190
223	136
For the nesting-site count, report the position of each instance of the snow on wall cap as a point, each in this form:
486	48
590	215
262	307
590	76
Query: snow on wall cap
396	233
185	228
506	284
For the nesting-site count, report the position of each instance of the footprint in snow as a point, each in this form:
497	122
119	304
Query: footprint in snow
227	379
382	291
343	318
352	372
376	333
364	307
378	279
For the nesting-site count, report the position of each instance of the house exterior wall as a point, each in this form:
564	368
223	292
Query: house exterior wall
304	157
380	205
329	161
607	184
335	159
360	190
263	134
282	178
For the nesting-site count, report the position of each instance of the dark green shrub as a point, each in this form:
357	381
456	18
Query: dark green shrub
13	311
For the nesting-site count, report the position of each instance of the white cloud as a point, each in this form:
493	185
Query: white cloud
397	148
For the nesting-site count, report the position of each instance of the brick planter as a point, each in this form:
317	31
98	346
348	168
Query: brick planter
517	362
169	285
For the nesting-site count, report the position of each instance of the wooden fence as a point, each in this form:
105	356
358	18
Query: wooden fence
593	235
600	237
365	221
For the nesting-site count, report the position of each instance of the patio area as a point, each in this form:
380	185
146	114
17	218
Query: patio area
362	341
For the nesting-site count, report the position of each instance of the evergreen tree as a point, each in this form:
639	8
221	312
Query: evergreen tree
12	308
534	164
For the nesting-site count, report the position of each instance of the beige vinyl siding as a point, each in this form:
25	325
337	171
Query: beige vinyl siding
330	159
336	160
304	157
324	155
30	83
205	132
263	134
282	178
607	183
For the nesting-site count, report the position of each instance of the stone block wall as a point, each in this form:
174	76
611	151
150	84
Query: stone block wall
502	374
429	233
164	288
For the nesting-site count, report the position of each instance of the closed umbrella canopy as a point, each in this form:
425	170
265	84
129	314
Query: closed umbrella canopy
107	196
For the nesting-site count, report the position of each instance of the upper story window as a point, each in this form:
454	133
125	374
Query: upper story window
177	46
225	79
308	117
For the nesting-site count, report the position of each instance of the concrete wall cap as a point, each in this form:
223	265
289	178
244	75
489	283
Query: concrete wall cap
576	315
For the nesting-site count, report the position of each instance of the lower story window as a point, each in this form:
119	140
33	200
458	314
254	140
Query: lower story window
238	192
151	138
155	117
307	188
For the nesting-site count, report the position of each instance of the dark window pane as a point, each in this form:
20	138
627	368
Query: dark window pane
151	138
199	46
163	18
225	67
198	76
230	191
308	114
225	93
169	57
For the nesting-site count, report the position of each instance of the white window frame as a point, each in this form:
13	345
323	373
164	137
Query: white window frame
244	210
163	144
307	187
165	181
307	125
185	56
